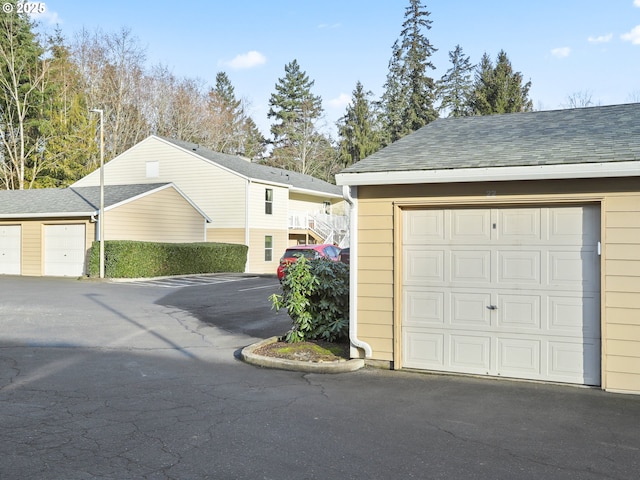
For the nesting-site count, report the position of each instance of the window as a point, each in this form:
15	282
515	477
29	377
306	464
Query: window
153	169
268	248
268	201
326	206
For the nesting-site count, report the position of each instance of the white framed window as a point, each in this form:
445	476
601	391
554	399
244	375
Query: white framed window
268	248
268	201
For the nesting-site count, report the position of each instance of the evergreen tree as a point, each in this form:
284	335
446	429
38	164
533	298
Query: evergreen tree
358	129
409	96
499	89
234	131
22	86
455	86
71	149
297	143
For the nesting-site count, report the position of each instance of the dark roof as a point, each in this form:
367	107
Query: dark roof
582	135
72	200
257	171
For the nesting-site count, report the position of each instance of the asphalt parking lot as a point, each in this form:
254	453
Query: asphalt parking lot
118	381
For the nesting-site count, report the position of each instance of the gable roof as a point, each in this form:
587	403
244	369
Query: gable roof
595	141
254	171
73	201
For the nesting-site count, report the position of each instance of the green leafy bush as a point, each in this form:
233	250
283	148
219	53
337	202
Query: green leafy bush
315	294
129	259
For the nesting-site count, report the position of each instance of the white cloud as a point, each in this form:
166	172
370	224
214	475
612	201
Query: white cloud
633	36
49	17
333	26
601	38
247	60
561	52
340	102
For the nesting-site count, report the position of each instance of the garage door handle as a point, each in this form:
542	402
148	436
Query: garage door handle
492	307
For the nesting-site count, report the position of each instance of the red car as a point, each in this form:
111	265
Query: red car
291	254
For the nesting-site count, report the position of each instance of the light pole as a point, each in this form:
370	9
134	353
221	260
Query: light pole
101	216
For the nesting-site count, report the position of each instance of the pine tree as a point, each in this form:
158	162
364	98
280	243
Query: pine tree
233	131
408	100
455	86
358	129
70	150
297	143
499	89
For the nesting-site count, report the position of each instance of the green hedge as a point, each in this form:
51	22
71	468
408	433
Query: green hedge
129	259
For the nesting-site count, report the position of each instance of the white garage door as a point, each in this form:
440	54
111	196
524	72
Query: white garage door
10	249
511	292
64	250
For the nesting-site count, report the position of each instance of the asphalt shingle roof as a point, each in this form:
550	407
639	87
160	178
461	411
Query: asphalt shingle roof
72	200
259	172
583	135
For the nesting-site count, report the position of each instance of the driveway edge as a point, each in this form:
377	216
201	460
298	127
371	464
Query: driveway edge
343	366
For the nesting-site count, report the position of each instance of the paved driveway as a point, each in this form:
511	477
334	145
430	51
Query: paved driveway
101	380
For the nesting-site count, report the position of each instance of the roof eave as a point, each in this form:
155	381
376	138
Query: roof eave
50	215
493	174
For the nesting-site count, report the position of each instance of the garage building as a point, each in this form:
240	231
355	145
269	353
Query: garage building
504	245
48	232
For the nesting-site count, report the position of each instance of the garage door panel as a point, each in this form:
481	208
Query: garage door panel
469	266
423	307
510	292
519	267
575	269
574	316
519	312
519	224
423	350
516	355
470	226
423	265
571	360
470	309
423	227
574	225
470	353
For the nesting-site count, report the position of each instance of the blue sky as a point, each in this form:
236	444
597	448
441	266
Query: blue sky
563	46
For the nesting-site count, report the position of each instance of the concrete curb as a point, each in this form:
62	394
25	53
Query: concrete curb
343	366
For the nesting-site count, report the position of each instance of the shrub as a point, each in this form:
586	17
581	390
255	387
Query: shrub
316	295
130	259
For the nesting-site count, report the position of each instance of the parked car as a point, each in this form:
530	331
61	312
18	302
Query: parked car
291	254
345	255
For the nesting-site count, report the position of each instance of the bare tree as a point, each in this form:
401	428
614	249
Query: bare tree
23	78
112	65
580	99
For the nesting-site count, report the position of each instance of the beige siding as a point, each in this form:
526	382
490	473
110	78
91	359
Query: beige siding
375	277
307	203
256	255
219	193
32	254
621	292
258	218
620	264
226	235
162	216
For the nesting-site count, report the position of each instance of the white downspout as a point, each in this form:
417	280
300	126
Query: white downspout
246	223
353	271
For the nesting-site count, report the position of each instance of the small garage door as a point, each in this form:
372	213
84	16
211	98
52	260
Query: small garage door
64	250
511	292
10	246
